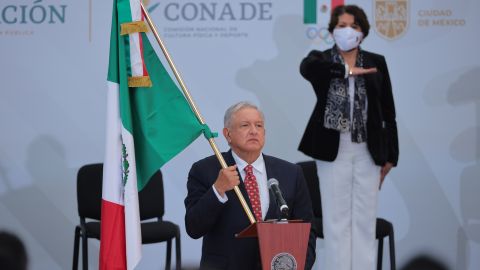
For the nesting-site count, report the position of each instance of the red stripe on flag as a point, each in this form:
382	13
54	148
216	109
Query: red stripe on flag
145	72
336	3
112	244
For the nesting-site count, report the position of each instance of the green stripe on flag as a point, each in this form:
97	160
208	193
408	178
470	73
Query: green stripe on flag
159	118
163	122
113	64
125	16
309	11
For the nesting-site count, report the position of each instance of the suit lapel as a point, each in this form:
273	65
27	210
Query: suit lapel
370	79
271	173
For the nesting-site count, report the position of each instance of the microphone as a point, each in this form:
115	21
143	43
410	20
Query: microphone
275	189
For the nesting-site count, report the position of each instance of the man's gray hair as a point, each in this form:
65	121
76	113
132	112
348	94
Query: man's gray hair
227	119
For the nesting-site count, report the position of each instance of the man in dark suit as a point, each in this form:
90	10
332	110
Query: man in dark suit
214	212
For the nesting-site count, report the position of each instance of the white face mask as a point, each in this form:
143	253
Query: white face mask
347	38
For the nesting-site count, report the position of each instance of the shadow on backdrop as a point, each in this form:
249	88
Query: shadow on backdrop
47	209
275	81
465	148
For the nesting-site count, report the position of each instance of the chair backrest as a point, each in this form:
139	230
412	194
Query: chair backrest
89	191
89	194
151	198
310	172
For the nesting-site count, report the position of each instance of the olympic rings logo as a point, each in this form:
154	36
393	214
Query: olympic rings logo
320	33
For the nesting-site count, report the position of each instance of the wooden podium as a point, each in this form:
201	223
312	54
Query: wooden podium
283	244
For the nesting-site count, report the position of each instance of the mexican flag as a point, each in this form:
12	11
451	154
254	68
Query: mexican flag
311	8
148	123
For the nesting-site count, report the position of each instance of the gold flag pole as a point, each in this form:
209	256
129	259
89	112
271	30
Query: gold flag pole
195	109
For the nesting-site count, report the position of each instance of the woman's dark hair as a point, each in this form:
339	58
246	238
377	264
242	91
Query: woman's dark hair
358	14
13	255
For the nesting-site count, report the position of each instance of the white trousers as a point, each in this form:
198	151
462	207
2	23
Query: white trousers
349	188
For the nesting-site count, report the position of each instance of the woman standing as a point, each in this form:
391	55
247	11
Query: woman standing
352	134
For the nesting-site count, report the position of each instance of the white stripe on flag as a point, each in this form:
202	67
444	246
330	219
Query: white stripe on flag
112	168
132	216
113	189
136	61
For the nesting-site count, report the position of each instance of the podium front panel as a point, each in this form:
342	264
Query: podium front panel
283	246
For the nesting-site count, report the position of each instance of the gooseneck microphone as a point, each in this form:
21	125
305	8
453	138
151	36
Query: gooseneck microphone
273	186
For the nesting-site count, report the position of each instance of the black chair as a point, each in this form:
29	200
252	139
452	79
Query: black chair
151	203
384	227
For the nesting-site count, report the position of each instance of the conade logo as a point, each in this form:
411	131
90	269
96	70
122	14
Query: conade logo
214	11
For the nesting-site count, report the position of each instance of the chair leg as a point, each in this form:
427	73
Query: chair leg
76	243
169	254
84	251
178	251
391	241
380	254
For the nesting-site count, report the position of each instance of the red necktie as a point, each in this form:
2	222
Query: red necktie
252	190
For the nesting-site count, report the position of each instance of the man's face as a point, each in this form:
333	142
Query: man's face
246	133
